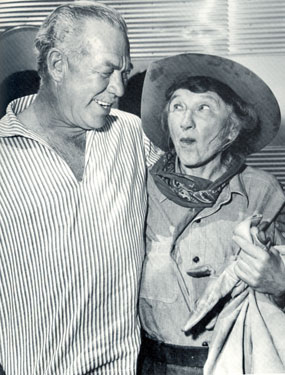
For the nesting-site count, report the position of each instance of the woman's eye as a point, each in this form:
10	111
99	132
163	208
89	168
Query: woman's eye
177	107
204	107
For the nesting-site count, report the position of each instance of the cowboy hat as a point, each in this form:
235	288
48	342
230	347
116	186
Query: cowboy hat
163	73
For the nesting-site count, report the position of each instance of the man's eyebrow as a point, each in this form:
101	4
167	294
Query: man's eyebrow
114	66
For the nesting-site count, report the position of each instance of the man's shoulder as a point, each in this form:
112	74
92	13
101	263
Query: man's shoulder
125	117
4	120
6	126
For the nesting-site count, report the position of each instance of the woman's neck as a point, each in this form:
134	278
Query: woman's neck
212	170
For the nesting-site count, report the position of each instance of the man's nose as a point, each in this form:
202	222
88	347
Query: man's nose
116	84
187	120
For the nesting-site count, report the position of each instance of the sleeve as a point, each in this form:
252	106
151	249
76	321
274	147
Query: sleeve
152	152
279	244
280	227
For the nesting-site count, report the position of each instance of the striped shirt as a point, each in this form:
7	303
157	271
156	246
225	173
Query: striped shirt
71	252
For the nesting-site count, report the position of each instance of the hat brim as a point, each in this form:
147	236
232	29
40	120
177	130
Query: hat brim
163	73
16	46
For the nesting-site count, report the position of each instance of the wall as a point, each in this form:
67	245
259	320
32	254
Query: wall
272	70
251	32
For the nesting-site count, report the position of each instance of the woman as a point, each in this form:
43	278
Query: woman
208	113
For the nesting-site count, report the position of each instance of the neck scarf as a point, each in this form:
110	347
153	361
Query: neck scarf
190	191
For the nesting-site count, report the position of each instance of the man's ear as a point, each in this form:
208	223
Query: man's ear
56	64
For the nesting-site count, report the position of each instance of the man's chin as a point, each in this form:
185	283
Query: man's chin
97	122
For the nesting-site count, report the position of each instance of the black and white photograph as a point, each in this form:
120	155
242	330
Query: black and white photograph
142	187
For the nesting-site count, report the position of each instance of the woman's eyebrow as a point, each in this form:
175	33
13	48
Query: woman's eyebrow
212	98
174	97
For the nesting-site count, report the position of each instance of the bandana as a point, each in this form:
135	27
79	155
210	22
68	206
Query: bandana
190	191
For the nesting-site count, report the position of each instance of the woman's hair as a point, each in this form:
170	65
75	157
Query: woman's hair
63	26
243	115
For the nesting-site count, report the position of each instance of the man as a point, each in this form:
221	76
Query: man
73	204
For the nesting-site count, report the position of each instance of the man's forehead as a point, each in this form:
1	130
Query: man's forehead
106	44
100	29
112	60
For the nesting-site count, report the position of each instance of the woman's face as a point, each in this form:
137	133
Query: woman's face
197	126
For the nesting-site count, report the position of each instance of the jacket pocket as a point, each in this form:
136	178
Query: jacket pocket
159	281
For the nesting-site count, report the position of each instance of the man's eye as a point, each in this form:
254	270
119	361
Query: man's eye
106	74
125	76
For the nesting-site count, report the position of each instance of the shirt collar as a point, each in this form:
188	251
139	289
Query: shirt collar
10	125
237	185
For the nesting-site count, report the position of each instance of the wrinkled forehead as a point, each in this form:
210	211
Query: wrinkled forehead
104	59
106	44
188	95
109	34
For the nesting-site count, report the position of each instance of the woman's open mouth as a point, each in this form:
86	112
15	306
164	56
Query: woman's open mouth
187	141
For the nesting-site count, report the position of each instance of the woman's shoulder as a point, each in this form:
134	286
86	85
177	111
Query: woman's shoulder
264	192
260	179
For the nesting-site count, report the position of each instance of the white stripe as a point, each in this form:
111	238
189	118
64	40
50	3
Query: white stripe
71	253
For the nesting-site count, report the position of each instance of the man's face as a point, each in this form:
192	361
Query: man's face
93	83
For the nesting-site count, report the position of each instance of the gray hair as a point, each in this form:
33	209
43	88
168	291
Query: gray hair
62	27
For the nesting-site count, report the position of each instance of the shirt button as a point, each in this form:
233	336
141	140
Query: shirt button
196	259
204	343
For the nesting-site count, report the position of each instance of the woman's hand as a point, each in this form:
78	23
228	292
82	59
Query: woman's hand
261	269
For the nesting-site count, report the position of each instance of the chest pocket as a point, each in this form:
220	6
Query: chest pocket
159	281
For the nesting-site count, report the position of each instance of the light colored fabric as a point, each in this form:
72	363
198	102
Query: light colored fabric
71	252
249	334
168	294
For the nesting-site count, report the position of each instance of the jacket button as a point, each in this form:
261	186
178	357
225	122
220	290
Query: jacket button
204	343
196	259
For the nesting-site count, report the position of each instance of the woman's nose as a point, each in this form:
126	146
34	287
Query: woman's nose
187	121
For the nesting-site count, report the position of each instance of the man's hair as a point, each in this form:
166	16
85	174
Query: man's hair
243	116
63	26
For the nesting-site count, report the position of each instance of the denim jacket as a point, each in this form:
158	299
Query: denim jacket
168	294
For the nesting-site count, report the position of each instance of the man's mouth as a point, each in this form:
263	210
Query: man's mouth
103	104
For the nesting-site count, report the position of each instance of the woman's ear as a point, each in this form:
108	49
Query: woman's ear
232	131
234	128
56	64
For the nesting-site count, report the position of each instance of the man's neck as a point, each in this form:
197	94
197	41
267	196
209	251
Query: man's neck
43	117
68	142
